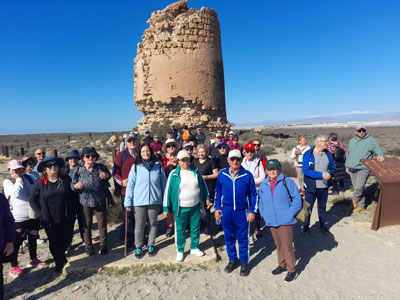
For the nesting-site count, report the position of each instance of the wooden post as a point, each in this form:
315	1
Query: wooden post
69	138
90	135
22	151
6	152
55	153
114	154
3	150
47	141
27	145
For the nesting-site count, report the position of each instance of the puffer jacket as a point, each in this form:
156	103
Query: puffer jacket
278	209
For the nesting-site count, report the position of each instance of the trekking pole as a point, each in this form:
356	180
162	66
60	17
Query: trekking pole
126	232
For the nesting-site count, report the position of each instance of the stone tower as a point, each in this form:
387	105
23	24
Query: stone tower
178	72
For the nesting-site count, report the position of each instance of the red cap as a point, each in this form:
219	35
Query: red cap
249	146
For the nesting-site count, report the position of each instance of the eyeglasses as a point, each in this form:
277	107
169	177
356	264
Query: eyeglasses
170	146
189	148
249	151
31	163
256	145
235	159
361	130
221	147
49	166
40	153
90	155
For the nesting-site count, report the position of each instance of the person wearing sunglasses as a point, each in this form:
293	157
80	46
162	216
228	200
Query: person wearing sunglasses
40	155
221	160
189	148
51	199
29	164
17	189
318	170
89	181
258	152
234	143
235	202
256	168
361	146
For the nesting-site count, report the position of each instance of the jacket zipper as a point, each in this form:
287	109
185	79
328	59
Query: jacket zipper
149	187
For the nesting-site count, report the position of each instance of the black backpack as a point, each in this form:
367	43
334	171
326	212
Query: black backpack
339	154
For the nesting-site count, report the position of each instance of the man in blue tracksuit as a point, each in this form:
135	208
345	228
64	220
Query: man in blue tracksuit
318	170
235	201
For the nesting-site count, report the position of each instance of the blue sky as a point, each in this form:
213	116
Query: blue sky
67	66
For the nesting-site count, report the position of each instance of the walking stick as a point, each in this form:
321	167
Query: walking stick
126	232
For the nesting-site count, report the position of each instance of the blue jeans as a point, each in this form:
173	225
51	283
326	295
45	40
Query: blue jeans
321	195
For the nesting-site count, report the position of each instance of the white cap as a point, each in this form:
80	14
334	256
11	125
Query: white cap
234	153
218	135
231	132
183	154
125	136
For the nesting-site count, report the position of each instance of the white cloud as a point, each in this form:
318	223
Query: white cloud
354	112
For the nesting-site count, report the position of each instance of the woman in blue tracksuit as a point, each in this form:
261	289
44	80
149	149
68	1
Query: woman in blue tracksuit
144	194
318	170
279	202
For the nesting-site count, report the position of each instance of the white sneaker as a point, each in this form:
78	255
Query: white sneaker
179	256
196	252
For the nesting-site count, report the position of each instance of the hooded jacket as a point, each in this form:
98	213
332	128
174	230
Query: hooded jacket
310	175
278	209
361	148
145	187
171	194
237	193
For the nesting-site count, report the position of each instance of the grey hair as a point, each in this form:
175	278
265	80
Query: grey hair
318	138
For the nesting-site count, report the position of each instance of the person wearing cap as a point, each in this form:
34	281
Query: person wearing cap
361	146
200	136
338	151
7	237
256	168
235	201
51	200
40	155
156	145
147	137
279	203
144	196
122	146
169	136
17	189
209	171
212	149
89	181
174	132
234	143
221	160
170	162
72	159
189	148
29	164
123	163
318	169
297	154
185	193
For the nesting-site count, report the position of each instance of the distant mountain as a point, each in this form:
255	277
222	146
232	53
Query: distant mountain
334	118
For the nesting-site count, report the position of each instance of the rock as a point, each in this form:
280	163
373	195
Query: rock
178	71
112	141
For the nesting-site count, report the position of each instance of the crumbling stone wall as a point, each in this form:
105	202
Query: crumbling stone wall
178	72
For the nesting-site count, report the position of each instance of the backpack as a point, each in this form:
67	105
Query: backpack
117	186
303	214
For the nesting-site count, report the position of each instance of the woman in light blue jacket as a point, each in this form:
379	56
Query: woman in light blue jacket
144	194
279	203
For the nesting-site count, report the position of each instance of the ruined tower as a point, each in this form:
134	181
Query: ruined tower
178	72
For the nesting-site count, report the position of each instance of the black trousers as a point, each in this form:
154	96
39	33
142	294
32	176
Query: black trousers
1	276
77	214
58	237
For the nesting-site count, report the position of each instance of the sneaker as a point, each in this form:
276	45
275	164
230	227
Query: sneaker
32	263
305	229
358	209
179	256
89	251
232	265
196	252
244	269
290	276
103	251
40	241
151	251
69	249
15	271
278	270
139	253
170	232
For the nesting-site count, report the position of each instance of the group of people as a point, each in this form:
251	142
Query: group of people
183	182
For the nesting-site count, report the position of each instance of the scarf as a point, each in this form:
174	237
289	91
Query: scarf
148	164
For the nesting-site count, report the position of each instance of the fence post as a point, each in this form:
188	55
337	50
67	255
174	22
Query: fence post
22	151
47	141
55	153
69	138
114	154
27	145
7	154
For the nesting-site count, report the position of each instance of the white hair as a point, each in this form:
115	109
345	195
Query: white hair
319	138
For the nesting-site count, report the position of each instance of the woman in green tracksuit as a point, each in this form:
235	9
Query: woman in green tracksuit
184	195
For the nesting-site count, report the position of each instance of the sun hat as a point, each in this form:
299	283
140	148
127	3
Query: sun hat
87	150
234	153
249	146
58	160
131	137
183	154
14	164
125	136
273	163
72	154
25	160
170	141
360	126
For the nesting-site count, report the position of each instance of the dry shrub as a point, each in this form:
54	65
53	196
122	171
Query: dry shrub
288	168
268	150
